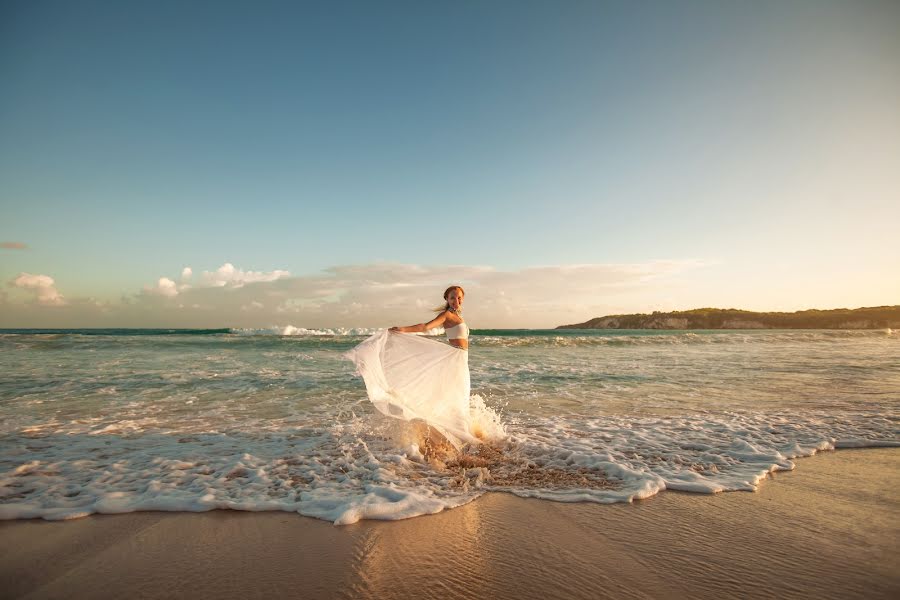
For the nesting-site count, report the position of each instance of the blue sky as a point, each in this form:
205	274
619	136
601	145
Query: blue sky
754	145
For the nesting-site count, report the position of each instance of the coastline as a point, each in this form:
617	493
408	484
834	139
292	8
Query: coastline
828	529
864	318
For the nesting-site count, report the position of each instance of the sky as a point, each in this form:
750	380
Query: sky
339	164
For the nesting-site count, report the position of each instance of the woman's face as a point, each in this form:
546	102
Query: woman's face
455	299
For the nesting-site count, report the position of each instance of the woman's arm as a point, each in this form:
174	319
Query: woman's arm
422	327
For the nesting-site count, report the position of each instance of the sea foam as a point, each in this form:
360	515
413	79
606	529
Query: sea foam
358	469
106	424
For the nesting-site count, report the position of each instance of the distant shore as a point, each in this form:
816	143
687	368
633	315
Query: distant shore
879	317
829	529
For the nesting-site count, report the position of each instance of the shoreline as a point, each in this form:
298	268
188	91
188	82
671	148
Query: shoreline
828	529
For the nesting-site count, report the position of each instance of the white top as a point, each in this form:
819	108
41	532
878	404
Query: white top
459	332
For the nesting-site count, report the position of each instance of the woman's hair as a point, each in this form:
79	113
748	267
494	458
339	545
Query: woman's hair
447	293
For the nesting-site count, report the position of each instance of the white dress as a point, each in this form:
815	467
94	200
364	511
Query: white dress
413	377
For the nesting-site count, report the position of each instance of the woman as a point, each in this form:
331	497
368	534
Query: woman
450	314
415	378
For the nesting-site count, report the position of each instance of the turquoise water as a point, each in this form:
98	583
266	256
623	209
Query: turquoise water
118	420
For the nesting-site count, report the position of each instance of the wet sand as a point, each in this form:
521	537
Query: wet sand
829	529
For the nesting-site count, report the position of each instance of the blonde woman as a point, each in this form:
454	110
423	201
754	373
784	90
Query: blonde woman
416	378
450	318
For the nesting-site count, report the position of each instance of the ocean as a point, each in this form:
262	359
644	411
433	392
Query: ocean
111	421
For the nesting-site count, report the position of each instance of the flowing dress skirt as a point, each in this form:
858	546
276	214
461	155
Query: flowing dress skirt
412	377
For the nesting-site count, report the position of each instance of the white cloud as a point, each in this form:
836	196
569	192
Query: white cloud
42	286
379	295
385	293
229	276
164	287
225	276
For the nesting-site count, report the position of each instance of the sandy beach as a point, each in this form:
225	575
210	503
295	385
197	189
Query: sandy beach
829	529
